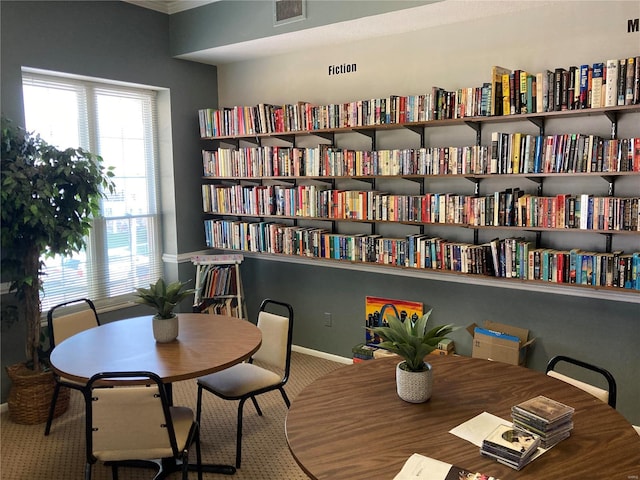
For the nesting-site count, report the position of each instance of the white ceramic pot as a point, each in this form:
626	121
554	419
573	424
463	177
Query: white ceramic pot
414	387
165	329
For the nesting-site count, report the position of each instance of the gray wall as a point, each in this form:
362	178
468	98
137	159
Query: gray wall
117	41
598	331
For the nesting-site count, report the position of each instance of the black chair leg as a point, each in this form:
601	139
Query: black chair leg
239	434
114	471
199	404
185	465
255	404
284	397
198	453
87	471
52	408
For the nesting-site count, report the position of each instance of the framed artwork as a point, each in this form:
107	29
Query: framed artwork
377	309
288	11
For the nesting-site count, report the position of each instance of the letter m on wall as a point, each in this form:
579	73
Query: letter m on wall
633	25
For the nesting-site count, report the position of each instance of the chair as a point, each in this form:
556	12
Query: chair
608	395
247	380
65	320
133	423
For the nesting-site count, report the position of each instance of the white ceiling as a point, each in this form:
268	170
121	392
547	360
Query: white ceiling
169	6
400	21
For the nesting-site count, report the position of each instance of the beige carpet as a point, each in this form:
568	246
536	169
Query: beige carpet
26	454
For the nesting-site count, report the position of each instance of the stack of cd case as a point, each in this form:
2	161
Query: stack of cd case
510	446
552	421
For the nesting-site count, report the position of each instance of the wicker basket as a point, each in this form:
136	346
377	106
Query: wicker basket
30	395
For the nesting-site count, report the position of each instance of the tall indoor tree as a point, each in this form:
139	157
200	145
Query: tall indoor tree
49	198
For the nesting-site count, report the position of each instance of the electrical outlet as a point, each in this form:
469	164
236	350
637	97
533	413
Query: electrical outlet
327	319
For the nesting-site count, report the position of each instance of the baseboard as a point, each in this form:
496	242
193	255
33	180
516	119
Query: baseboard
318	353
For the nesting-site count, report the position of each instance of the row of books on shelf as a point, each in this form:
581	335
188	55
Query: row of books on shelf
509	153
221	306
511	207
507	258
217	280
615	82
511	91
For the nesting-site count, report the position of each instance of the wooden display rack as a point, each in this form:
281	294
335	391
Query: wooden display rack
207	298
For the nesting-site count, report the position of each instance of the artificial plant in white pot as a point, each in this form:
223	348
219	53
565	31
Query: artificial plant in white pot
413	342
164	299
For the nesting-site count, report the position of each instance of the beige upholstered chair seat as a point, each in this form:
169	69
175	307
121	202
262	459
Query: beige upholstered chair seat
240	379
592	389
608	395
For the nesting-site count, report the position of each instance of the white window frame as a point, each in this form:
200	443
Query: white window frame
97	250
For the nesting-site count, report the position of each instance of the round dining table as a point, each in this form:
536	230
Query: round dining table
351	424
205	344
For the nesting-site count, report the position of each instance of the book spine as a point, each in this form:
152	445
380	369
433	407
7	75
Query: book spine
611	94
622	81
629	81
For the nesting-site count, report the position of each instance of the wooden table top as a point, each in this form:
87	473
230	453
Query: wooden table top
205	344
351	424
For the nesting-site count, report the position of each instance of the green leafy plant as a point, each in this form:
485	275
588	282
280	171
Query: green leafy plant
164	298
49	199
411	340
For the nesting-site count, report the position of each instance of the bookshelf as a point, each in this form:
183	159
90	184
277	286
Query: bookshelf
254	193
219	285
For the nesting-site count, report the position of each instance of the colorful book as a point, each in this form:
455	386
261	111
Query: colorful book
496	89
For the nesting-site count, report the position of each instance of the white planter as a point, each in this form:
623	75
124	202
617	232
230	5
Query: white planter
165	329
414	387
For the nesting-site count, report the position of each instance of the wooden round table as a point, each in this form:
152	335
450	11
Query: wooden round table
205	344
351	424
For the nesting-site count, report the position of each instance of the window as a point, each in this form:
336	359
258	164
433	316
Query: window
118	123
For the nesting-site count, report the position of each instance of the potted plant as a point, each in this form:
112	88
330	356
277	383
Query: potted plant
413	342
49	197
164	298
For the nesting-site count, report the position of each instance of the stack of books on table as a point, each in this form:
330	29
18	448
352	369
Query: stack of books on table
547	418
510	446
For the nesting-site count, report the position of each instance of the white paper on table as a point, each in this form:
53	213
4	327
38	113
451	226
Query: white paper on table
420	467
478	428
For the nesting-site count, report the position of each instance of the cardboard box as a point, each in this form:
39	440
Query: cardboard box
500	342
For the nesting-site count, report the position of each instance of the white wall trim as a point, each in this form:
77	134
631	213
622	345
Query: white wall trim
182	257
318	353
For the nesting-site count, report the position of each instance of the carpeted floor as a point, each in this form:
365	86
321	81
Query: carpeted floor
26	454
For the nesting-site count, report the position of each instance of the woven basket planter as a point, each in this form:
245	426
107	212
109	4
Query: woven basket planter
30	395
